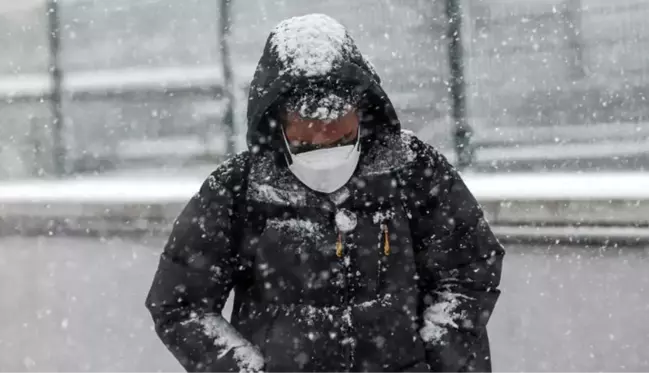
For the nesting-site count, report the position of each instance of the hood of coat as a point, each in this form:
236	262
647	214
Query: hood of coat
301	51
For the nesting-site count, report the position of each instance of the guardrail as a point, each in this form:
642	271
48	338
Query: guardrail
102	108
122	83
606	209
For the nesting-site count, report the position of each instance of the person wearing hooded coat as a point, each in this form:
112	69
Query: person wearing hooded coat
368	256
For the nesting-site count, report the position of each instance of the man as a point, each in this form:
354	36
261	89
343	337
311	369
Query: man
349	244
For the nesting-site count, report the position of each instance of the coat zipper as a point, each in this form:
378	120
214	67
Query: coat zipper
385	250
345	260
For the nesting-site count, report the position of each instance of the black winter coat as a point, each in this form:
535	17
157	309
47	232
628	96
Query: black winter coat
409	288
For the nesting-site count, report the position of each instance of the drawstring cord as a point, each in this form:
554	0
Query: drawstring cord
382	262
386	240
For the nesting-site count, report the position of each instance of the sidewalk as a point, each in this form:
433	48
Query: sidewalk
594	207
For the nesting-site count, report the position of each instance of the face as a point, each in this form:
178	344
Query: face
305	132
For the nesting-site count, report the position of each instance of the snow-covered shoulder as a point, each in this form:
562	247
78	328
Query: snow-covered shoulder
228	175
419	151
400	151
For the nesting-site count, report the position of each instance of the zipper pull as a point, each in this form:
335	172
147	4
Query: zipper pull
386	240
345	222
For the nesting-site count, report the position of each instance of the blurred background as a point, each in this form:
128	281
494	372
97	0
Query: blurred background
102	86
144	87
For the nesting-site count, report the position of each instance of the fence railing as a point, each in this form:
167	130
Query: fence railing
557	62
529	65
84	121
107	112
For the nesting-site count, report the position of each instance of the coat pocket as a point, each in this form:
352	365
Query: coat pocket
387	339
262	335
417	366
304	338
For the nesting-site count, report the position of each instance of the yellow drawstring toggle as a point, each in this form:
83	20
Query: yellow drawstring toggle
386	244
339	245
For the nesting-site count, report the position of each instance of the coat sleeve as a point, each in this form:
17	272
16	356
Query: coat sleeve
195	274
459	263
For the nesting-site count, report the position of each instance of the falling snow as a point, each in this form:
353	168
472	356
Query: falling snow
554	106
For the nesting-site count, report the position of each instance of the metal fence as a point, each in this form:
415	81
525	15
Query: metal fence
558	83
557	62
139	74
141	78
120	90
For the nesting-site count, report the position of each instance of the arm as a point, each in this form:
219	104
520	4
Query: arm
195	275
459	263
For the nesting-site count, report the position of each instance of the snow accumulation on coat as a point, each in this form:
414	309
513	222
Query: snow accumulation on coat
384	301
380	217
298	227
346	221
340	196
441	316
314	315
270	194
310	45
395	154
227	339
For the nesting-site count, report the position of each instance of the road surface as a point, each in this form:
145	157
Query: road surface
72	304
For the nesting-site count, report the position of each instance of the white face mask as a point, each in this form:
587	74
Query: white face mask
326	170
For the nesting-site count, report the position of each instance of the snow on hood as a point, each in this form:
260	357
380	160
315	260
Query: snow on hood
310	45
300	52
